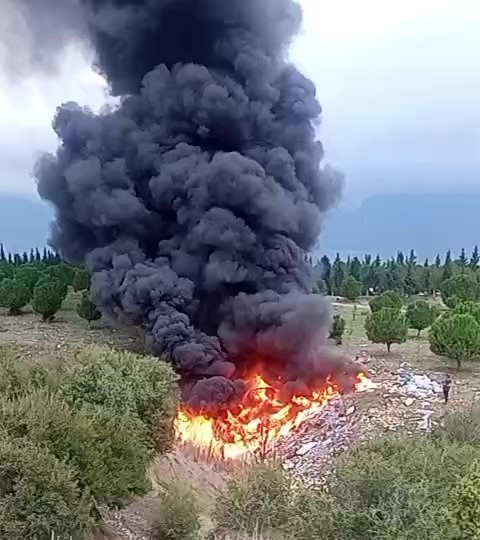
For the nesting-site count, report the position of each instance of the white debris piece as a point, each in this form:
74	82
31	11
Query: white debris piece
306	448
418	385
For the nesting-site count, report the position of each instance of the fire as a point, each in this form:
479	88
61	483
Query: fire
258	422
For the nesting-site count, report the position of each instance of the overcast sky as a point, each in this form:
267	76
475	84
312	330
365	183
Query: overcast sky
399	83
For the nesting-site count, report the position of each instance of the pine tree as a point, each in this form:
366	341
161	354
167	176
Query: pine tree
447	267
400	257
87	310
45	255
2	253
438	261
38	257
412	258
367	259
10	258
338	274
326	273
25	257
462	260
474	259
377	262
426	264
32	255
355	268
409	282
17	260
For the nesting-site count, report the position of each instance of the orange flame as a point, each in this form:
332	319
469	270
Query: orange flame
258	423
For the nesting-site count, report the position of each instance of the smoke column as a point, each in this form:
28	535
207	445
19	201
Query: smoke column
195	201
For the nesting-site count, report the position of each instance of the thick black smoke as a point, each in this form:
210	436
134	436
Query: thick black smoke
195	202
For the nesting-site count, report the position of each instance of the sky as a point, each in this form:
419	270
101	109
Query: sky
398	81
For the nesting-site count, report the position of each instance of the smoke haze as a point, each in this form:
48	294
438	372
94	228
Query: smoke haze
196	200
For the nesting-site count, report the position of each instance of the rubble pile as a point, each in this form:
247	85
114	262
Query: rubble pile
403	401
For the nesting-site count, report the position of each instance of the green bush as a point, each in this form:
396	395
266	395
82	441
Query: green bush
460	288
351	288
471	308
398	488
256	500
107	452
18	378
179	515
125	383
456	336
14	295
389	299
62	271
87	310
48	297
465	504
420	315
39	495
81	280
386	326
338	329
29	275
461	427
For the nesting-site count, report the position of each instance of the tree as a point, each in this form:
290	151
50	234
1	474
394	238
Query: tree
389	299
412	258
48	297
409	284
338	329
420	315
462	260
320	287
326	273
447	267
81	280
2	253
351	288
87	310
460	288
474	259
456	336
14	295
400	257
386	326
355	268
338	274
28	274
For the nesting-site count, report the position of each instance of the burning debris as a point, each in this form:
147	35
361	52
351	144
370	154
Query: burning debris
195	202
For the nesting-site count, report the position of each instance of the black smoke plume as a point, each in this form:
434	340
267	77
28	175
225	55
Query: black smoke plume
196	201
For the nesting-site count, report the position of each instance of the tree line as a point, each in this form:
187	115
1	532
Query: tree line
403	273
43	282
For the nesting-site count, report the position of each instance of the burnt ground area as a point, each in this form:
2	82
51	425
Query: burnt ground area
397	404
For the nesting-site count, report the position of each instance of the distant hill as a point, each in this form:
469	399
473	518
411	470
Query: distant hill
24	222
429	223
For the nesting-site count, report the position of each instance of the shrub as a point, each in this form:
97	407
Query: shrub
106	452
125	382
389	299
14	295
179	517
338	329
465	504
39	495
472	308
312	517
459	288
87	310
29	275
62	271
48	297
455	336
257	499
461	427
386	326
420	315
351	288
18	378
398	488
81	280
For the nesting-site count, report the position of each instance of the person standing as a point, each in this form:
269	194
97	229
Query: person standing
446	387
